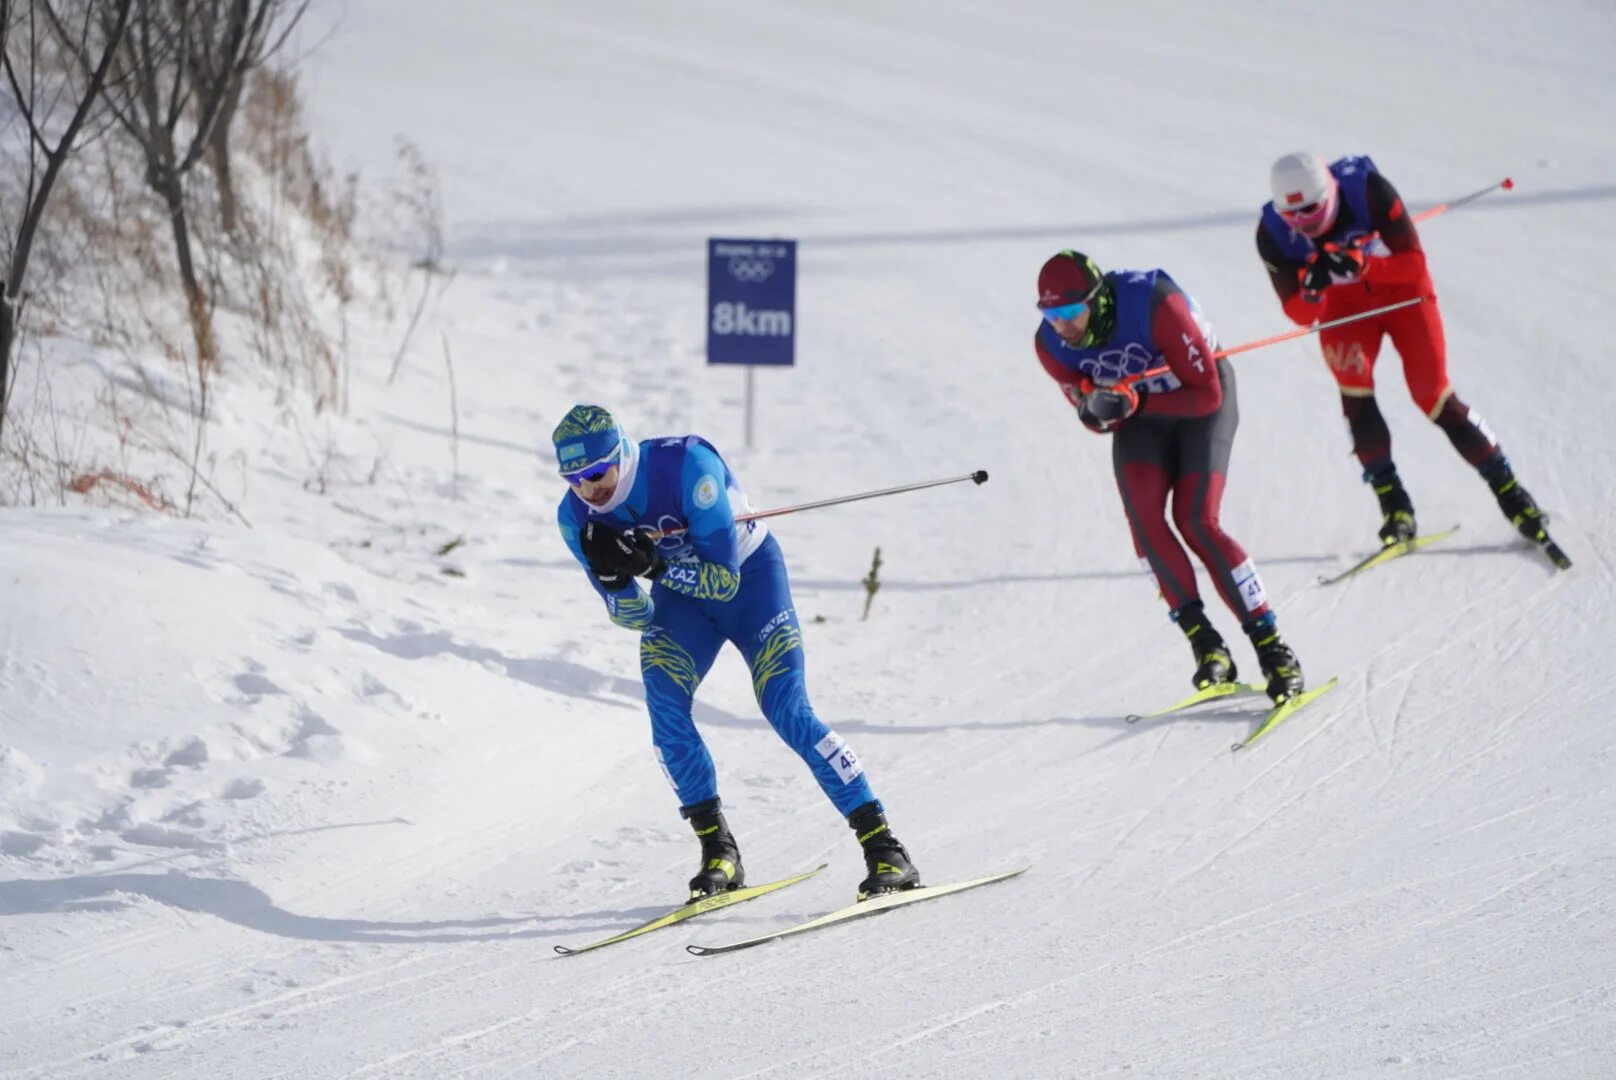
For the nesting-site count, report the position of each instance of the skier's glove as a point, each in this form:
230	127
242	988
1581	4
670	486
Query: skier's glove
1315	279
1104	407
1347	262
1326	267
616	558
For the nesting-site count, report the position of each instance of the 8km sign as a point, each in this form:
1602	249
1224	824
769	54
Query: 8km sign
751	301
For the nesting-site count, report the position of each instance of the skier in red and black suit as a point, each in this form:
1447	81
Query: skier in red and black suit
1337	241
1132	353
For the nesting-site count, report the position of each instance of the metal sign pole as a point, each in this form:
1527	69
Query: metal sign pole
751	395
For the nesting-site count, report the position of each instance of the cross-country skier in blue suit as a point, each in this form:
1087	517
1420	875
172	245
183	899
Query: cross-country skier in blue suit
664	509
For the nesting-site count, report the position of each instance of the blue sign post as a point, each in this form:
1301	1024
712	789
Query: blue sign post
751	307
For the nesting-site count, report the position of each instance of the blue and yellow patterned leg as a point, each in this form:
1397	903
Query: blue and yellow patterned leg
675	653
779	680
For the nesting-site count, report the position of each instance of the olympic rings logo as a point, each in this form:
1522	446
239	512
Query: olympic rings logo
1114	365
679	539
754	271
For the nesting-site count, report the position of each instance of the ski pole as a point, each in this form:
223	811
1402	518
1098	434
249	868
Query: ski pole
980	476
1506	183
1368	238
1315	328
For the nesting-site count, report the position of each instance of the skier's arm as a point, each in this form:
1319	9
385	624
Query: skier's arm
1406	263
1072	383
1285	275
714	573
627	606
1178	337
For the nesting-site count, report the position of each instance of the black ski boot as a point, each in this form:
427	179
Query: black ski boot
720	856
1517	504
1396	509
1213	664
888	863
1279	664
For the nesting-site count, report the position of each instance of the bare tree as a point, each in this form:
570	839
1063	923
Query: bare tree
162	87
269	23
51	110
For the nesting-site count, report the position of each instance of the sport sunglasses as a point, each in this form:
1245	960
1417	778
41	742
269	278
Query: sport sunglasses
593	471
1065	311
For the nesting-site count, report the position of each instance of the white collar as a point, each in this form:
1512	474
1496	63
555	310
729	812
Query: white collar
625	479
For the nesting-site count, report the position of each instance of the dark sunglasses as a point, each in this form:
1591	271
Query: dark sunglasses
591	473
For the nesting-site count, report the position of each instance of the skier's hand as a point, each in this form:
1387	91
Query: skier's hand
1315	279
651	564
1104	407
1347	262
1327	267
616	557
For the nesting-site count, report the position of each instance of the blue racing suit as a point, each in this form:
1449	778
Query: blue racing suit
724	582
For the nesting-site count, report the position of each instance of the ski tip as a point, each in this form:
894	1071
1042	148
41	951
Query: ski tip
562	950
710	950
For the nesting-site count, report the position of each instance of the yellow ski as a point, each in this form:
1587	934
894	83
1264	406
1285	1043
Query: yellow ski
872	906
694	908
1201	697
1280	712
1387	554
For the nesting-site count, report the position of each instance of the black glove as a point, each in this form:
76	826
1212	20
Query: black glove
615	558
1315	279
1324	267
1347	262
1104	407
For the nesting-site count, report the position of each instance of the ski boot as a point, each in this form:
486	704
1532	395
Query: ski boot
1213	664
720	856
1517	504
1396	510
886	860
1279	664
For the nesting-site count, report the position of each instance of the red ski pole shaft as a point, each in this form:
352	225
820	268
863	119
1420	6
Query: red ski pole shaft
1316	327
1368	238
980	476
1506	184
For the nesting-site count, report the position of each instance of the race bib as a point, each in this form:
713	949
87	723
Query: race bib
834	749
1250	586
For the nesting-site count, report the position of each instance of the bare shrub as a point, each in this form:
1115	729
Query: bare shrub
56	66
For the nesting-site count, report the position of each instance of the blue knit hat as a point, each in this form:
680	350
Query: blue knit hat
586	436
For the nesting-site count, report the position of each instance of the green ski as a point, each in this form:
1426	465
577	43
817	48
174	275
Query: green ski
1279	712
694	908
1211	693
872	906
1387	554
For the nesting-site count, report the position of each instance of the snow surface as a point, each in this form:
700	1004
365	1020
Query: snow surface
291	801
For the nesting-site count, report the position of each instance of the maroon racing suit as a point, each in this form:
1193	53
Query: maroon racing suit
1147	335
